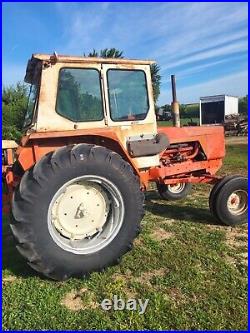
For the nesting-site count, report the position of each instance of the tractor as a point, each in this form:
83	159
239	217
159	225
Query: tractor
76	181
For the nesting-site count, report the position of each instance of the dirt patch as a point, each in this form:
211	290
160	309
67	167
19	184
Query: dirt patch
236	237
10	278
146	277
236	140
73	300
215	227
244	258
176	295
122	276
238	259
130	293
138	242
161	234
168	221
237	240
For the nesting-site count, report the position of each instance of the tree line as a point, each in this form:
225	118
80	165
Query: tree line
193	110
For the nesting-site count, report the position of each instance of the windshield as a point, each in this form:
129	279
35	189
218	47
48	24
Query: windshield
31	105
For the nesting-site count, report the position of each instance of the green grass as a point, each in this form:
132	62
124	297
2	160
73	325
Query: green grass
184	121
193	271
236	159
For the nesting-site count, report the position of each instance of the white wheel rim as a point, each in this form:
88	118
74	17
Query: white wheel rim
176	188
85	214
237	202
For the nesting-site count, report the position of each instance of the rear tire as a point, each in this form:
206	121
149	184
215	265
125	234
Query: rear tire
175	191
42	197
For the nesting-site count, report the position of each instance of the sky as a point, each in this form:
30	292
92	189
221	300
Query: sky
204	44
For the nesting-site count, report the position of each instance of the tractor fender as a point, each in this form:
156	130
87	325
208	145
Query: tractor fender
39	144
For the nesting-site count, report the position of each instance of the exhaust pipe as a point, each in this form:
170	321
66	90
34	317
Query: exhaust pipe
175	104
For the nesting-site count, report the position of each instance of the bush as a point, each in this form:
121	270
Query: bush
190	111
243	105
14	104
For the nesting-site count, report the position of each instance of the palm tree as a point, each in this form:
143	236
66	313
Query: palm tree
114	53
106	53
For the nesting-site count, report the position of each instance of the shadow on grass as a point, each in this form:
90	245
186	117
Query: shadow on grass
181	212
16	264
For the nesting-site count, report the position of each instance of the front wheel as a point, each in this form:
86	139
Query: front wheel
174	191
229	201
76	211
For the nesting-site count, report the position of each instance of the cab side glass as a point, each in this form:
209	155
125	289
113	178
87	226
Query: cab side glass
31	105
79	95
128	95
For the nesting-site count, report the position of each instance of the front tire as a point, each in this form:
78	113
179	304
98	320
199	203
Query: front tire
174	192
76	211
230	201
215	190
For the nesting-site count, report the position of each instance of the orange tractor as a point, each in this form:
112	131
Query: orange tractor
76	181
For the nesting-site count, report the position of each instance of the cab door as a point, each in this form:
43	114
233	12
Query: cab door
130	106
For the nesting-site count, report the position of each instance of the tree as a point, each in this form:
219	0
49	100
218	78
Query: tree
114	53
243	105
166	108
14	105
156	80
106	53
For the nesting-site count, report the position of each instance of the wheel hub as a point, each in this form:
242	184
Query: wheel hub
176	188
237	202
80	211
85	214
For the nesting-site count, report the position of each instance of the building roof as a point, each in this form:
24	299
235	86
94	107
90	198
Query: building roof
76	59
217	97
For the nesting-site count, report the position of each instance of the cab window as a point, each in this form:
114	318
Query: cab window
79	95
128	95
31	105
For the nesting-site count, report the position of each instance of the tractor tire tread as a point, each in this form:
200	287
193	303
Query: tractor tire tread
215	190
39	177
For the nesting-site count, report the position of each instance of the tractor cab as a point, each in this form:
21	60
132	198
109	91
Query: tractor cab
81	93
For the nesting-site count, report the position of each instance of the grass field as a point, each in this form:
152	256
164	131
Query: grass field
192	270
184	121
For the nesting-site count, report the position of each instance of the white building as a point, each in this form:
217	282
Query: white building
214	109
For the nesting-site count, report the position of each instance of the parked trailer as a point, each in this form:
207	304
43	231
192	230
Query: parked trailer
215	109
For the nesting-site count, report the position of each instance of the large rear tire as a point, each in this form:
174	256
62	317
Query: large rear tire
76	211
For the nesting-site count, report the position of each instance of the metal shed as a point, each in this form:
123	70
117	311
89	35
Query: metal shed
214	109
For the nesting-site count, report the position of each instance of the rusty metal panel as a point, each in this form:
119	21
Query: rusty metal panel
80	59
211	138
50	121
126	129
